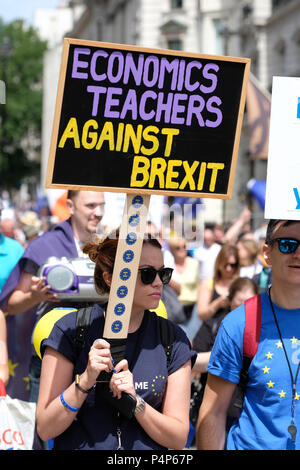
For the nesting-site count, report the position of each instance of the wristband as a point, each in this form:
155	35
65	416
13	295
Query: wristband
77	384
66	405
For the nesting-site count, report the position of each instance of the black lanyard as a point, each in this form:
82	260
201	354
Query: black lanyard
292	429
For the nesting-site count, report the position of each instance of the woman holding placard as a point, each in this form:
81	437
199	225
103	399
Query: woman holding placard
69	411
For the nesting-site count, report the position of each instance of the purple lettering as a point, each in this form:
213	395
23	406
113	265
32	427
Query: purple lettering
188	71
118	59
131	68
195	106
178	108
210	76
97	90
80	63
214	110
146	116
162	107
181	75
94	74
110	102
151	62
130	105
170	67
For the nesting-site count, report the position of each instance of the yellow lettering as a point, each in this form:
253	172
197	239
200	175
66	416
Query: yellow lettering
172	174
188	179
158	166
141	167
107	133
201	176
150	138
86	134
169	132
70	132
135	138
120	136
215	167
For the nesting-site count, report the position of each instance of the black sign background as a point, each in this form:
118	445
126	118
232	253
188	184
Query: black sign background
111	170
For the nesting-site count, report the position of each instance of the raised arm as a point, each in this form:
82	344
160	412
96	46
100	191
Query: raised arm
206	307
30	291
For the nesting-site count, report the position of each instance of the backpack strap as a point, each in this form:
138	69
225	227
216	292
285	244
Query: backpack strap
167	337
252	326
82	325
251	335
250	345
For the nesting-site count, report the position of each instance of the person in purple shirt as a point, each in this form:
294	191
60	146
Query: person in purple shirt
25	296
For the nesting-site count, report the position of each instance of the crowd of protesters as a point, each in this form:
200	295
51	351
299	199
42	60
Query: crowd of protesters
202	278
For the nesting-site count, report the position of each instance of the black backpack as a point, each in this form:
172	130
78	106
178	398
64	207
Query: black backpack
83	323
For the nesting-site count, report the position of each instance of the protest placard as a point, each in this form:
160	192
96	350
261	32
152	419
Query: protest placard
131	119
144	121
283	169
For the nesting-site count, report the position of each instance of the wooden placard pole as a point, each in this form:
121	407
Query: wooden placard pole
125	272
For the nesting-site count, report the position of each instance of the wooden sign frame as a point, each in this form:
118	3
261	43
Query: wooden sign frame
130	243
190	183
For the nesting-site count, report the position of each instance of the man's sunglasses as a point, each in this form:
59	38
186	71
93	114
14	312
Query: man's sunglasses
286	245
149	274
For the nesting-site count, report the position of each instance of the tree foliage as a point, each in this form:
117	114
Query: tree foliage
21	68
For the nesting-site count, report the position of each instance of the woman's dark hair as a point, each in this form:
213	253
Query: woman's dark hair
103	254
240	284
273	224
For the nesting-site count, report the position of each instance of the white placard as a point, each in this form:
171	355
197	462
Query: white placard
283	171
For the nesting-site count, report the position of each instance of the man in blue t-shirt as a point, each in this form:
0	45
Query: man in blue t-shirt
10	253
271	410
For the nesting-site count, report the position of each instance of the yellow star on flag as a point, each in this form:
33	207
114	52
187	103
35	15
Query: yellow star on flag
297	396
294	340
282	394
270	384
12	367
269	355
266	370
279	344
26	379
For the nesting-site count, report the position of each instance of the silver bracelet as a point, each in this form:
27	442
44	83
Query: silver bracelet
140	405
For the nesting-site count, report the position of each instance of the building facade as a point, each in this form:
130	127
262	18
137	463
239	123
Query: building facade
266	31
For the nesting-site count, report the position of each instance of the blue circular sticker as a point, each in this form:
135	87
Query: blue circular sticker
119	309
122	291
131	238
116	326
137	201
128	256
125	274
134	220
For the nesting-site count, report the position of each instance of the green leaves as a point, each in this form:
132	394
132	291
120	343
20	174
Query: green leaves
21	68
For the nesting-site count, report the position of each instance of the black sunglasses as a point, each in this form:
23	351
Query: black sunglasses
149	274
232	265
286	245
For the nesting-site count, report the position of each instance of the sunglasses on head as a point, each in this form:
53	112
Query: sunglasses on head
286	245
149	274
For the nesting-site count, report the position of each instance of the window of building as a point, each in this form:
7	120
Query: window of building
175	44
176	4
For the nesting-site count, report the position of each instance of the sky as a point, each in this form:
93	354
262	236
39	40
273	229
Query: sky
23	9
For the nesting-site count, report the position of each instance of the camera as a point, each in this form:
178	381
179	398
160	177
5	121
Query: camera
71	278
